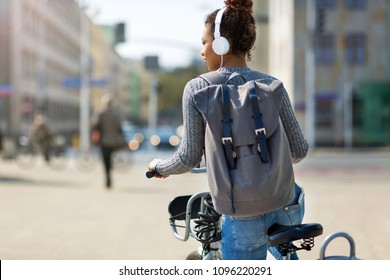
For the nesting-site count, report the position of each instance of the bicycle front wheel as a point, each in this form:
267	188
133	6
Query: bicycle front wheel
26	158
194	256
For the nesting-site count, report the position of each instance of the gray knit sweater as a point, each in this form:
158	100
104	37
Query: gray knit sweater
190	152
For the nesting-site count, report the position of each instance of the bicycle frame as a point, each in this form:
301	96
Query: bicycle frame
193	208
29	153
196	207
208	229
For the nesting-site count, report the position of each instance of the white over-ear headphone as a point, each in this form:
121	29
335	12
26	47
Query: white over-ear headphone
220	44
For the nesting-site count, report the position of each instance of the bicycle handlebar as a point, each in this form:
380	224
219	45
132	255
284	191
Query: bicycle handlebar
199	170
150	173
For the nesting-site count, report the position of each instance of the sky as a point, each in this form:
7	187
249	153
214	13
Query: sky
170	29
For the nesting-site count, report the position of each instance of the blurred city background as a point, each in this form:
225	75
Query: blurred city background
59	61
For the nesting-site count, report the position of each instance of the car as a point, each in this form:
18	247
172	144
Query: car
165	137
133	135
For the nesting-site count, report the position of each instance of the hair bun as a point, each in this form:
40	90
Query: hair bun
240	5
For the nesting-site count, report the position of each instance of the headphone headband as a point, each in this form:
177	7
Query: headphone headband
218	20
220	44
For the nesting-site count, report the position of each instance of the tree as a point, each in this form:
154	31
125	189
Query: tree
170	92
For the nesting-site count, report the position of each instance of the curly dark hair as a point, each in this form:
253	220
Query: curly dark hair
238	26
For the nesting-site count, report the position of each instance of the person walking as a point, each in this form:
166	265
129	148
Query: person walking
41	136
110	136
1	141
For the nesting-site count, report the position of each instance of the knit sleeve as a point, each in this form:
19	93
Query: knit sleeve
190	151
298	144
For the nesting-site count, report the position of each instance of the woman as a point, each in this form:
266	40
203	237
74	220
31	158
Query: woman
242	238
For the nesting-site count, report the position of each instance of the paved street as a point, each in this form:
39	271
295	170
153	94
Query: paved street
68	214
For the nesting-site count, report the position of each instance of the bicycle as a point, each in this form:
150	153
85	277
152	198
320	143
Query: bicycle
123	160
88	161
28	153
197	217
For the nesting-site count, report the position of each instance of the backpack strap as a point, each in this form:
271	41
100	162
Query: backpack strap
235	75
227	139
213	78
216	78
259	127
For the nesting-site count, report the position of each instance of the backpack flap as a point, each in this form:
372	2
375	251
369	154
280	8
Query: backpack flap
268	100
268	94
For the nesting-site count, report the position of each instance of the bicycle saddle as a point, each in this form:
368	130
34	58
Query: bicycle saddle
280	234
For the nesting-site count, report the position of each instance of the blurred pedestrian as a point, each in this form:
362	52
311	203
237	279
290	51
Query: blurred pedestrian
41	136
107	133
1	141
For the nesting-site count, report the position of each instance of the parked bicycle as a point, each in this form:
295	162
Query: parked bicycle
88	161
29	154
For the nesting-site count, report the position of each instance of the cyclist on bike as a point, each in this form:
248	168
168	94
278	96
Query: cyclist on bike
242	237
41	136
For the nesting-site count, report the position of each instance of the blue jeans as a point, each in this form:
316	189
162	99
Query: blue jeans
247	239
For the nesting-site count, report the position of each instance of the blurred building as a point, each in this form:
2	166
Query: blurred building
40	57
341	94
40	46
139	88
109	71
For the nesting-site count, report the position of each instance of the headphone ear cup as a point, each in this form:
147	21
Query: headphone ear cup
221	46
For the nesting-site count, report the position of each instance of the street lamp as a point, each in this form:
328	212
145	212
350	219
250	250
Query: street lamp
84	78
151	64
310	75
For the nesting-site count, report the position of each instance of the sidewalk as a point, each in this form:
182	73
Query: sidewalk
68	214
349	191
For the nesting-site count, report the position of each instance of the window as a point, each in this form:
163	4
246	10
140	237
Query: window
355	4
324	48
324	4
324	113
355	49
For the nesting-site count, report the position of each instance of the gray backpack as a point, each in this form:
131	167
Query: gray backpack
247	153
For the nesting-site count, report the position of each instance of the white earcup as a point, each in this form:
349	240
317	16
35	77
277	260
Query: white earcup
221	46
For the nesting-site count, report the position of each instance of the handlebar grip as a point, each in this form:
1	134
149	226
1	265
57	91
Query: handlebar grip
199	170
150	173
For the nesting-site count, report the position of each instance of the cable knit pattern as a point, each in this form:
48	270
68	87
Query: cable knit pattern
190	152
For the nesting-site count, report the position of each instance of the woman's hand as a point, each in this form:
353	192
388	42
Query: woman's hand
152	166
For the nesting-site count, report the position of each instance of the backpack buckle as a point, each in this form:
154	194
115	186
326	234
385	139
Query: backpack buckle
261	130
226	139
260	135
230	154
